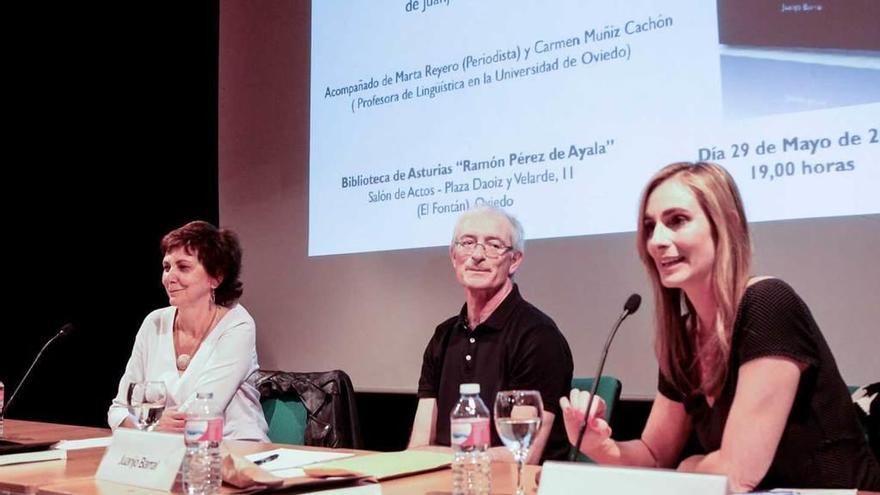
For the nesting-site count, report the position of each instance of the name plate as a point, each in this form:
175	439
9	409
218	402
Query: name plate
142	458
571	477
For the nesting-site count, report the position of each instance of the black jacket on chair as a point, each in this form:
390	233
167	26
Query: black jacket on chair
328	397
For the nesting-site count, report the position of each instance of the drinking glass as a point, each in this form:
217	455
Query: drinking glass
517	420
147	402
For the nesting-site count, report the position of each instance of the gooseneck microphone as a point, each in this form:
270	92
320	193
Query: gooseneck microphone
65	329
630	307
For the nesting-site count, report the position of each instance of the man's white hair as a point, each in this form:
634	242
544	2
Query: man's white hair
517	237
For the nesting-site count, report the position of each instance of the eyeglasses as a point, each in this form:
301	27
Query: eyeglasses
492	249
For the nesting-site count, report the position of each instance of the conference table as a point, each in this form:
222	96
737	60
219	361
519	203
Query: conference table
76	474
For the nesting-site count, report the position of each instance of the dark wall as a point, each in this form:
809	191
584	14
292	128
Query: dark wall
114	110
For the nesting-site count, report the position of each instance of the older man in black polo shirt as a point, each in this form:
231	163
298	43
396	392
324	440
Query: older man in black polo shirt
497	340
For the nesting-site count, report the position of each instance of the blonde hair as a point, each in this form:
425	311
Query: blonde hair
676	344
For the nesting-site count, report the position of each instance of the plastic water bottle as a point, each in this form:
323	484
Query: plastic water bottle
469	427
202	433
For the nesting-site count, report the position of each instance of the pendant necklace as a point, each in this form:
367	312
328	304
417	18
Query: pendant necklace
183	359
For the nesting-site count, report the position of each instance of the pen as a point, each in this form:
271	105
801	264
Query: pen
266	459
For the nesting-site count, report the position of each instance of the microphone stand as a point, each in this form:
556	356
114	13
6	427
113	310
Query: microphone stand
67	328
632	304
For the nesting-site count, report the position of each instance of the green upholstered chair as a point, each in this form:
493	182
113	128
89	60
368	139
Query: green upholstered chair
310	408
609	390
287	419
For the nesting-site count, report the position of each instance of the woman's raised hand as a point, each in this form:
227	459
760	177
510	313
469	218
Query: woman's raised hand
574	409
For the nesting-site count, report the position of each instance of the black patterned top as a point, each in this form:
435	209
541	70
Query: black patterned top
823	445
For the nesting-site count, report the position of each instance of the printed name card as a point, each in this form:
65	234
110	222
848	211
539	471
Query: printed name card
142	458
575	477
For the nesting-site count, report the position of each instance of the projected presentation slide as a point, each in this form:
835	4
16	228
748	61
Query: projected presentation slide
560	111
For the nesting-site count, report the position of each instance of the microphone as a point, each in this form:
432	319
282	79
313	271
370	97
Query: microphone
630	307
65	329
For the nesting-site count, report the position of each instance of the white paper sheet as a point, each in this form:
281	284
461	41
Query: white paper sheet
86	443
371	489
292	458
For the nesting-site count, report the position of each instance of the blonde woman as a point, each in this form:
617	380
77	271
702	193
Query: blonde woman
743	364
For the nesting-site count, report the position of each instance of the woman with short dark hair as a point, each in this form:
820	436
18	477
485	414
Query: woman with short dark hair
204	341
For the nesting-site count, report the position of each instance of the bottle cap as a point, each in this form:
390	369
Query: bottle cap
469	388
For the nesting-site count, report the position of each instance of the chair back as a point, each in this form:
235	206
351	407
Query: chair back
287	419
608	390
315	408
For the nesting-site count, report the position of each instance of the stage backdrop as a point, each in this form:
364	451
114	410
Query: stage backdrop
372	309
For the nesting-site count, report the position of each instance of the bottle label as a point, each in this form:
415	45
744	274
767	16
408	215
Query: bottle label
471	432
203	430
